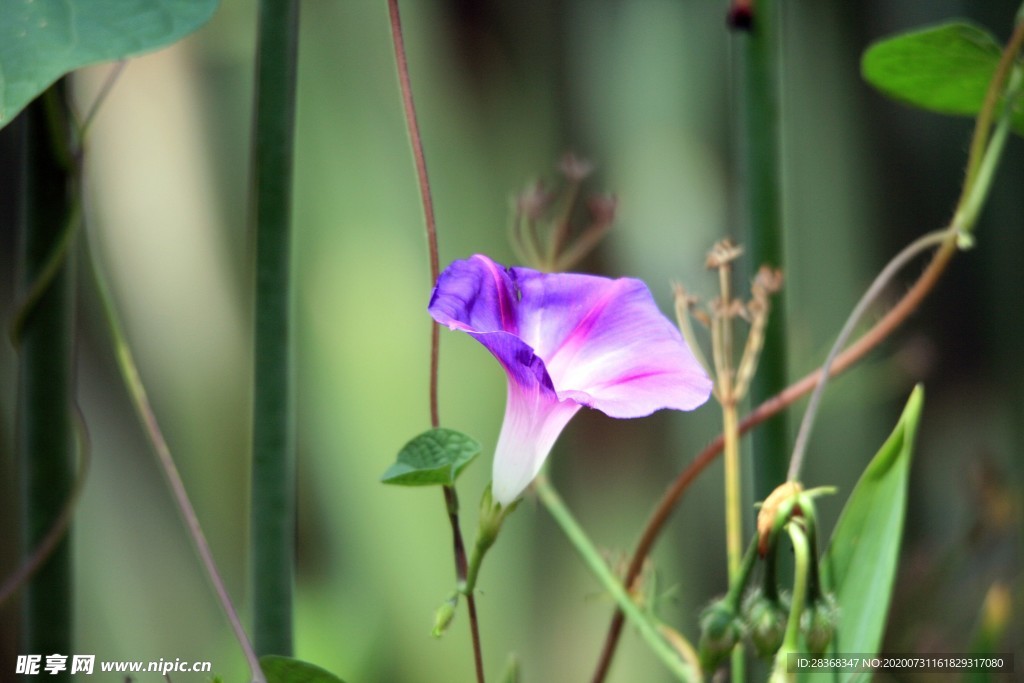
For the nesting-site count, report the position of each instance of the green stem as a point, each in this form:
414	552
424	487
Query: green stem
979	141
775	404
273	457
959	229
733	505
764	237
45	385
791	642
973	197
738	584
143	408
611	583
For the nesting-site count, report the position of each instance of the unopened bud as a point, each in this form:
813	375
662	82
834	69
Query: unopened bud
444	615
766	623
719	632
819	622
778	502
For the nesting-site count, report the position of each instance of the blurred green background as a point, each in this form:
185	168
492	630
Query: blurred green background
646	90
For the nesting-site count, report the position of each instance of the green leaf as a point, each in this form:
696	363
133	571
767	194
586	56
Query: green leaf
41	40
860	563
945	69
279	669
437	456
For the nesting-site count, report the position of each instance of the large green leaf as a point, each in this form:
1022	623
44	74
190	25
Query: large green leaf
279	669
436	456
41	40
945	68
860	563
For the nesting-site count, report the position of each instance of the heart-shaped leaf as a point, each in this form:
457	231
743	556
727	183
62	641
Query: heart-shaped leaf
434	457
279	669
41	40
945	68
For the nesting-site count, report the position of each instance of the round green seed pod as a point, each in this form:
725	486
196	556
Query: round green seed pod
720	630
766	623
819	622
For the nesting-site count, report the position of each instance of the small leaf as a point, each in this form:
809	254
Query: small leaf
860	563
437	456
279	669
945	69
41	40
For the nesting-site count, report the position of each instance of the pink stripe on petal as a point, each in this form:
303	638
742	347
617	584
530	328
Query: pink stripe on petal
580	334
500	278
565	340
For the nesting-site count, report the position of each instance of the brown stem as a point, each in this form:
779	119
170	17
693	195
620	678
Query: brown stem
979	141
412	123
882	329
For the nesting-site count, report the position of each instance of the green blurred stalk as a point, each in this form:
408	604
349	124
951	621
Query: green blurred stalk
764	240
273	459
43	334
598	566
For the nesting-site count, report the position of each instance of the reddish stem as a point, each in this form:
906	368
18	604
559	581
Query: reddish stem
451	500
882	329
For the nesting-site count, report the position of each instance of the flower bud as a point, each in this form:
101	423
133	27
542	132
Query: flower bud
766	623
492	516
819	622
719	632
444	615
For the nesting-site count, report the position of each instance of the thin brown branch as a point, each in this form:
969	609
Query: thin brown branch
144	410
882	329
412	123
58	529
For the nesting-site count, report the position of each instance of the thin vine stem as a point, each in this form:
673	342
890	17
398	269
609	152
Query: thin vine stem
976	186
423	178
877	286
108	85
48	543
413	126
980	138
599	568
674	493
72	228
144	410
980	157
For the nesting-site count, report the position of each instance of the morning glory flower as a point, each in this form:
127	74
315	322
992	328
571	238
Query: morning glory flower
565	340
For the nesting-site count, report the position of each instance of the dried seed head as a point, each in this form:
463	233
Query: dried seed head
602	208
575	169
723	253
533	201
768	281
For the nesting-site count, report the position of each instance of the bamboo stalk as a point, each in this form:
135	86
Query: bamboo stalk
273	459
